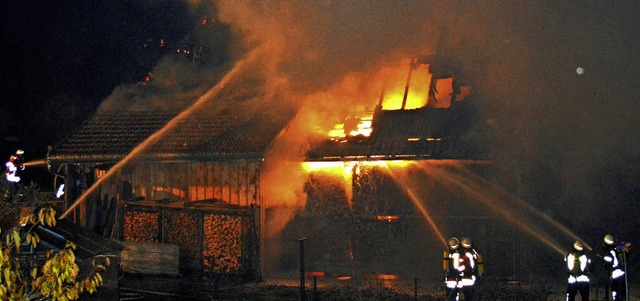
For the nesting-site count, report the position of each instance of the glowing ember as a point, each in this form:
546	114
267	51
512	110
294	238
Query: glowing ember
314	274
387	218
344	278
387	277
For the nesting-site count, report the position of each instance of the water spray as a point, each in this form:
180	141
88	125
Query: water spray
418	204
35	163
504	194
158	134
478	193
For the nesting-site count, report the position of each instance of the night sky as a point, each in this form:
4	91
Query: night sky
62	58
574	135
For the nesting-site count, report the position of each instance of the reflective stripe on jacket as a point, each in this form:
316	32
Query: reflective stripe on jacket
577	264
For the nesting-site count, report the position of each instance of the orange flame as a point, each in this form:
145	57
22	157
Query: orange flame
387	277
387	218
392	98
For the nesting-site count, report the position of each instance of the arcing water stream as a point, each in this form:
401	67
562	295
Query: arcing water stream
171	124
514	210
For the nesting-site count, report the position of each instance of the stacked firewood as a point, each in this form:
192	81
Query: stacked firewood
141	226
182	229
222	243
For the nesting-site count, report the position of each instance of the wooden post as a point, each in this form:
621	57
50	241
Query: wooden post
302	285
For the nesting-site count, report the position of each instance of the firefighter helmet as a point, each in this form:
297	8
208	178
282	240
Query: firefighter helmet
608	239
19	152
466	242
578	246
453	243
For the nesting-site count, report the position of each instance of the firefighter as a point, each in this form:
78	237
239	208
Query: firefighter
451	267
13	165
578	267
473	268
614	261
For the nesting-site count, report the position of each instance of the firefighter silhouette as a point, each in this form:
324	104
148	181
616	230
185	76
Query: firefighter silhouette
13	166
578	269
473	268
451	265
615	262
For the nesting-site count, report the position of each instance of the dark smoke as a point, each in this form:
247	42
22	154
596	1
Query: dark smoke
564	132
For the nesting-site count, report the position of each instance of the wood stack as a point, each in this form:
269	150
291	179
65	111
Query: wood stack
141	226
182	229
222	243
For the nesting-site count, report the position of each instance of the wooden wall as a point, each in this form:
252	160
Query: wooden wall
235	182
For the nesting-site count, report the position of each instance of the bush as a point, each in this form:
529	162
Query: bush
22	209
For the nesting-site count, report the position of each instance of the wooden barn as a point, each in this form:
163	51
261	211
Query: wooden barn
197	186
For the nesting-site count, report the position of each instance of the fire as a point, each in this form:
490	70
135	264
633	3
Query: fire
387	218
359	125
347	168
388	277
400	91
418	88
315	274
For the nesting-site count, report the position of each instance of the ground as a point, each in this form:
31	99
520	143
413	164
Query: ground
138	287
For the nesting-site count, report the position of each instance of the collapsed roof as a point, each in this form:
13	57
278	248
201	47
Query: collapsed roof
424	133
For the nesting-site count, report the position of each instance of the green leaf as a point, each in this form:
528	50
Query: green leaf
16	239
7	277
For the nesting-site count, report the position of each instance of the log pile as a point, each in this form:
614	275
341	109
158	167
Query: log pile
141	226
181	228
210	240
222	243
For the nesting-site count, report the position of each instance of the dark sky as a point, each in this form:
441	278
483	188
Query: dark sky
62	58
574	137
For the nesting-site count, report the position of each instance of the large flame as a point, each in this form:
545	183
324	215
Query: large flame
405	85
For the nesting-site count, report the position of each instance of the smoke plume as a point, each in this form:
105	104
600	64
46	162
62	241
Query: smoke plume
557	128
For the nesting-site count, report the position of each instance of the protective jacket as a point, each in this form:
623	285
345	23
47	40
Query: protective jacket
12	167
472	266
612	262
453	265
578	266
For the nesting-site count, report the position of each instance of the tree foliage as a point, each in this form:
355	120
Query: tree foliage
22	209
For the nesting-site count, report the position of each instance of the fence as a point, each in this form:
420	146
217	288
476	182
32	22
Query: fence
378	287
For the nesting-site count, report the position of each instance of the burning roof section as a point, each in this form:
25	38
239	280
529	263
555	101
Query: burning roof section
437	129
109	137
424	133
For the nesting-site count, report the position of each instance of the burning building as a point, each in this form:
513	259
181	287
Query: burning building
382	190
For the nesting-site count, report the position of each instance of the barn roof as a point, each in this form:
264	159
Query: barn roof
109	137
232	134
